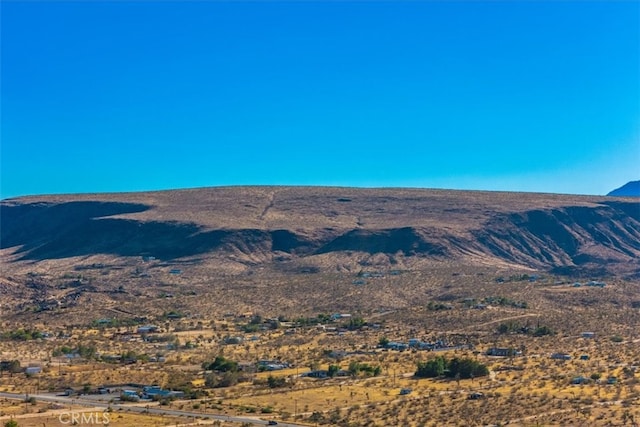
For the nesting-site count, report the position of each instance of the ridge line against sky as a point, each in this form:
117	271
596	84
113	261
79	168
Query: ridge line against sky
514	96
310	186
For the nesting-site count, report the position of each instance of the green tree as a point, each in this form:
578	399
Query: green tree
13	367
459	368
86	351
354	368
323	318
333	370
11	423
465	368
356	322
221	364
431	368
503	328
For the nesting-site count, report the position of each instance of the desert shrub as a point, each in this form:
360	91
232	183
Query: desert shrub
250	328
228	379
437	306
542	331
128	398
22	335
511	327
316	417
504	301
357	368
275	382
515	327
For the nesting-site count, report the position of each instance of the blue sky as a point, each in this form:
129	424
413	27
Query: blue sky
128	96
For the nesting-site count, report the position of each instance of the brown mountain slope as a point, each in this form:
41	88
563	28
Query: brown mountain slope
328	228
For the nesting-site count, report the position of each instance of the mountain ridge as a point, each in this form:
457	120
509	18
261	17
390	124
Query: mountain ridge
630	189
326	227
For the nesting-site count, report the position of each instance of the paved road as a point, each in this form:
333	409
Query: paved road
141	409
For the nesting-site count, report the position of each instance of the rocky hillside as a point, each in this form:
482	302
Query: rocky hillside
328	228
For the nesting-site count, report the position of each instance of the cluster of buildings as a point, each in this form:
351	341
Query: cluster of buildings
14	367
503	352
414	343
591	284
272	365
323	373
584	380
151	392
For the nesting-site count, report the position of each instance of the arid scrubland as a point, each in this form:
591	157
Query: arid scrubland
457	313
321	306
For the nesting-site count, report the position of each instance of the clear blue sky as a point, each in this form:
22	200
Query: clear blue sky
503	95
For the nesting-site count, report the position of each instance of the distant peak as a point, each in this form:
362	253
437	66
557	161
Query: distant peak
630	189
